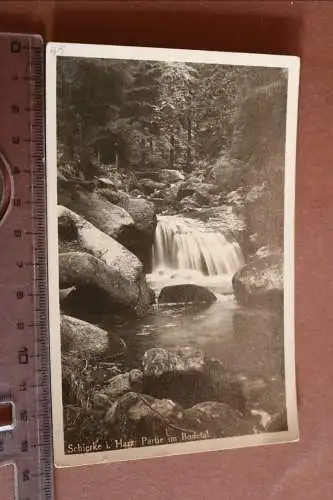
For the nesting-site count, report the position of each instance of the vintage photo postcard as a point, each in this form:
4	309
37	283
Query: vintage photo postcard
171	177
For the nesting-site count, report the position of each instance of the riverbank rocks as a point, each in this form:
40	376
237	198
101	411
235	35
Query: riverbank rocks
193	185
141	238
114	196
96	209
104	370
261	281
148	186
158	361
101	287
187	293
124	382
187	377
224	218
105	182
77	234
171	176
143	214
171	192
87	339
218	419
187	188
201	198
130	221
152	419
135	415
188	204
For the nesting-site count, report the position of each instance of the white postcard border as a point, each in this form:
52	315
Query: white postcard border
291	63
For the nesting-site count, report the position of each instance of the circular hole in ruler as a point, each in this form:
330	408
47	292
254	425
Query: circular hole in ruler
5	187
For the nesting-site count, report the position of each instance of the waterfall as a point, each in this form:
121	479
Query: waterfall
188	244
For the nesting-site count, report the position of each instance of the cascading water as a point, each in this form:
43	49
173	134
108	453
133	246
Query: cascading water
188	250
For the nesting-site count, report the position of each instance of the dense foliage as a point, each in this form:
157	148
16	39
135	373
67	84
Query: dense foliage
219	123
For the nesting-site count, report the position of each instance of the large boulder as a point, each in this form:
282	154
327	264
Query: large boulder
96	209
177	375
131	221
101	287
74	229
75	233
158	361
187	293
261	281
135	415
143	213
87	339
219	419
186	376
140	240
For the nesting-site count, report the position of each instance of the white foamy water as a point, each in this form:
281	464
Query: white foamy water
188	251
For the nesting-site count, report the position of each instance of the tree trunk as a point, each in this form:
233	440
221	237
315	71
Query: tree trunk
189	134
172	151
189	143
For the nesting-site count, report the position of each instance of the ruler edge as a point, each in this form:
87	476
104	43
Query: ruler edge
49	465
35	40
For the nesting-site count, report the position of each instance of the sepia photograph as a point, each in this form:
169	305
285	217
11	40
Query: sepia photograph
171	178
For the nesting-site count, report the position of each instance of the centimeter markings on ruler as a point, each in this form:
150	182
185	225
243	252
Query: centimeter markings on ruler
24	356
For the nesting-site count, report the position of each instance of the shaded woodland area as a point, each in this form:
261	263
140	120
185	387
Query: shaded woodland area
149	152
223	123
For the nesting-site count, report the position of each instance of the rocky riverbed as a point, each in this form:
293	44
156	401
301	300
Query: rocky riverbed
137	352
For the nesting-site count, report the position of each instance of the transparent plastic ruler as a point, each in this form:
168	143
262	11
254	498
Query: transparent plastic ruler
25	400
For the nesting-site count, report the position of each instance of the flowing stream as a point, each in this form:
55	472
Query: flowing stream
188	251
247	341
184	243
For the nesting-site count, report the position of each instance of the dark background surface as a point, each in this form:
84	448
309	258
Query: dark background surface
303	470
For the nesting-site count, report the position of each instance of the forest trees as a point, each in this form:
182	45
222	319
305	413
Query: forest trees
90	99
215	122
173	114
144	114
163	114
258	147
